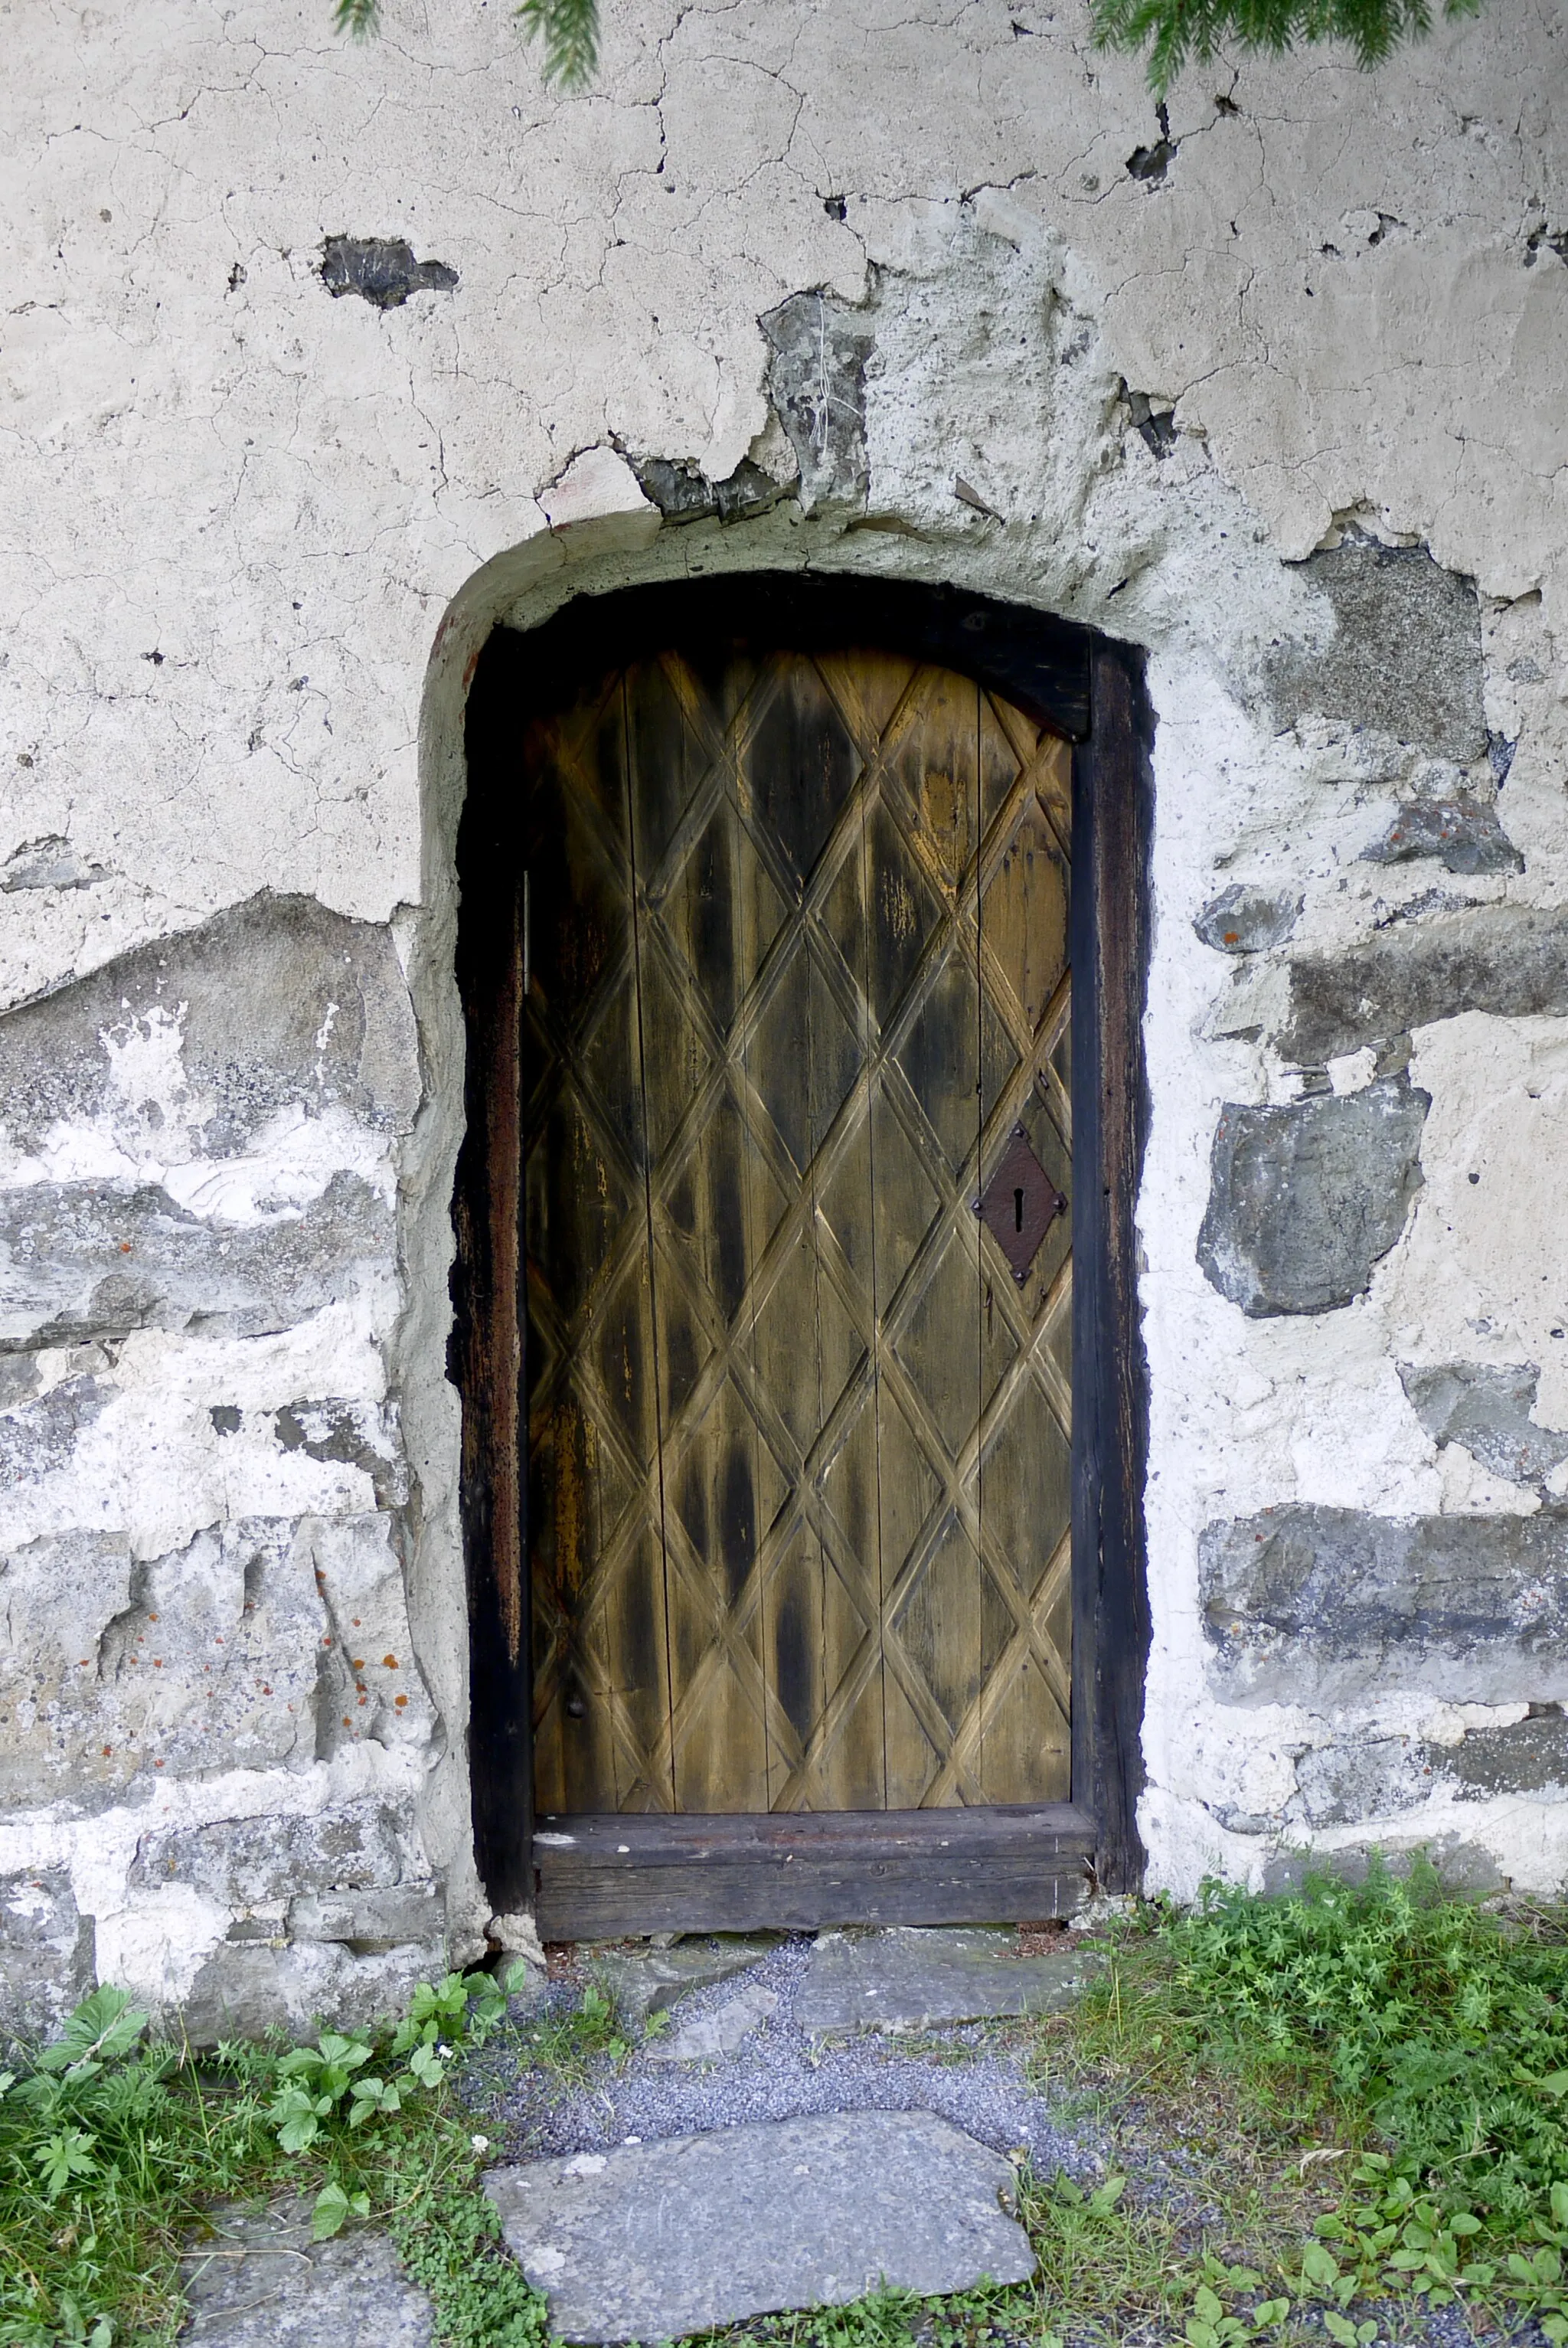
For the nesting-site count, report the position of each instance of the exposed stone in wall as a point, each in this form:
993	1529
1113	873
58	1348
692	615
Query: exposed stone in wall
1248	920
83	1260
1323	1606
382	269
1508	960
267	1641
1304	1199
1465	1868
275	1007
50	863
1355	1780
817	380
202	1473
1531	1756
1349	1782
1404	656
682	493
370	1922
247	1988
334	1913
251	1863
1489	1410
1463	833
46	1951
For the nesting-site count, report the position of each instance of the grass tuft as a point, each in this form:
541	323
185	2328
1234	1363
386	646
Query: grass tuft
115	2148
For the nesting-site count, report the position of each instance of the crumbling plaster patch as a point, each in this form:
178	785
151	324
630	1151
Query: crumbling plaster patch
240	510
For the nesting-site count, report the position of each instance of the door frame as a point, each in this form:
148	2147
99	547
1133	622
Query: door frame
1090	689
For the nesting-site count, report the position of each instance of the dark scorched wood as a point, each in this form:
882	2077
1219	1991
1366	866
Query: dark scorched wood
603	1876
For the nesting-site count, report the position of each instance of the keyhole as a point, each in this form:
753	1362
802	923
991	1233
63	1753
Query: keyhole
1018	1210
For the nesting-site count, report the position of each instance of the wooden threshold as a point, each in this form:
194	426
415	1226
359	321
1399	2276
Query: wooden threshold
599	1877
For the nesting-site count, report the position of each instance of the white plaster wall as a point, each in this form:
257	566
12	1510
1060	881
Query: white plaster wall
253	537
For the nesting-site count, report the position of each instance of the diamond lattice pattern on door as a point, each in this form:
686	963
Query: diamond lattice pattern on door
799	1440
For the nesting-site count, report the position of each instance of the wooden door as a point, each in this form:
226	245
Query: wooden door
796	1157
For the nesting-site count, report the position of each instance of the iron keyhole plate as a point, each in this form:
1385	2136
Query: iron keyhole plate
1018	1204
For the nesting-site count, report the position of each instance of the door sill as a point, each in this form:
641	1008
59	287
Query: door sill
605	1876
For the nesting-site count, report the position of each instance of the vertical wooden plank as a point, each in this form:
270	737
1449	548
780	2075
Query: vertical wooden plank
1112	804
720	912
487	1335
934	1594
1020	1742
802	1062
639	1612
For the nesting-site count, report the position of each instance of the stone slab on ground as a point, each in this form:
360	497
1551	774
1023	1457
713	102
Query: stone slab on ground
652	2242
706	2037
645	1981
911	1977
260	2282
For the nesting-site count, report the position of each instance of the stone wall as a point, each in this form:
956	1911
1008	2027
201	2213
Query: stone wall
319	360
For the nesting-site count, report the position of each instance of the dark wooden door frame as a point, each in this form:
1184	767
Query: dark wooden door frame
1089	689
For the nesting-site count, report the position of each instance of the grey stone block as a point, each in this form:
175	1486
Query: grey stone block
1303	1199
1462	834
1463	1868
652	2241
682	491
381	270
1405	658
1323	1606
1508	960
1352	1781
280	1002
816	381
645	1981
370	1921
38	1437
1489	1410
247	1988
254	1862
1247	921
705	2037
228	1653
1529	1757
257	2281
46	1952
911	1977
1345	1783
84	1261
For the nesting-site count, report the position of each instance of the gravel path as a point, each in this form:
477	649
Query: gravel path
968	2076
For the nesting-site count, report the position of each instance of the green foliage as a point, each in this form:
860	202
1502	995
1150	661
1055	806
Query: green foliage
113	2148
1447	2027
451	2247
1428	2034
1177	32
568	2045
567	31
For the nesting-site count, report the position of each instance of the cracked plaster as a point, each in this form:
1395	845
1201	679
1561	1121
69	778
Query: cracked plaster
255	537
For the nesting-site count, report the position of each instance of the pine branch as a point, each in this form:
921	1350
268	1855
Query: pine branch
569	31
1180	31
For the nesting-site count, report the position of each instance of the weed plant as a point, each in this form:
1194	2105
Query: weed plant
115	2148
1390	2064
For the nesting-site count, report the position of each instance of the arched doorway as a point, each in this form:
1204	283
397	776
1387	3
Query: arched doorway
785	1503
